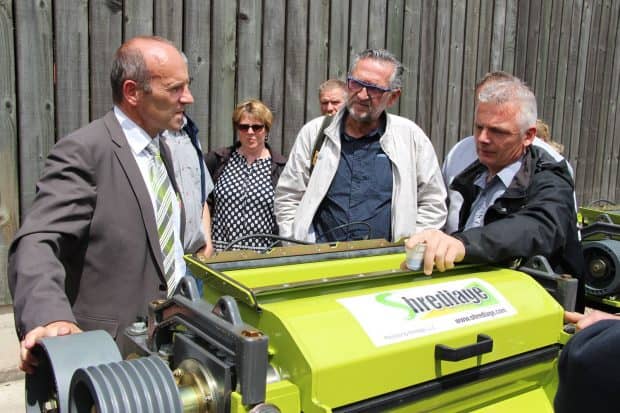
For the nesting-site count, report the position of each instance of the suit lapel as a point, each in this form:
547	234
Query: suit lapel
130	167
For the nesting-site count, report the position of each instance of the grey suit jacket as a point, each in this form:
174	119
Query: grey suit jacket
88	250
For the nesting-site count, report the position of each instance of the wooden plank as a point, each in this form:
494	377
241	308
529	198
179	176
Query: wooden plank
522	32
472	24
249	60
394	40
318	27
427	66
71	65
197	48
497	35
601	98
358	40
168	21
561	84
9	188
543	57
339	39
532	43
547	112
105	37
295	70
578	113
222	97
612	147
35	98
395	23
510	36
483	64
613	122
272	88
455	74
589	129
138	18
437	132
377	19
573	97
411	58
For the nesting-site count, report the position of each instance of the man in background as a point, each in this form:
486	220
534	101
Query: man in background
332	96
195	185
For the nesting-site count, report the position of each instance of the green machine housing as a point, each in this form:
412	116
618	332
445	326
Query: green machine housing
323	328
349	331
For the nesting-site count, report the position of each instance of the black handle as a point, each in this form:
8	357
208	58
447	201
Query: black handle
483	345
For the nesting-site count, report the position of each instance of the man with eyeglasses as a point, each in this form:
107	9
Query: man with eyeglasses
376	174
515	200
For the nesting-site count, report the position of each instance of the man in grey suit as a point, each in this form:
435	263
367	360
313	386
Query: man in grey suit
88	254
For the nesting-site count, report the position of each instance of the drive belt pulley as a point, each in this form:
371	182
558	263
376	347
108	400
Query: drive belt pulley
602	267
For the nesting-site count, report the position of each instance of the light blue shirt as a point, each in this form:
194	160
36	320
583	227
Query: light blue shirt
490	190
138	139
187	176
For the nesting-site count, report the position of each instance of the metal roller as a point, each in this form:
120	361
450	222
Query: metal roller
602	267
139	385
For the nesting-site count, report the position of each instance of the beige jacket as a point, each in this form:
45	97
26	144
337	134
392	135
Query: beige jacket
419	194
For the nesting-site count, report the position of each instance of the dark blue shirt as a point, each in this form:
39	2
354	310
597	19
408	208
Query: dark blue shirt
360	193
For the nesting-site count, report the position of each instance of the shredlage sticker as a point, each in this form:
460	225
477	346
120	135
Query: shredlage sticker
393	316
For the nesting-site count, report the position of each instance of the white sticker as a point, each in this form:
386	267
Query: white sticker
393	316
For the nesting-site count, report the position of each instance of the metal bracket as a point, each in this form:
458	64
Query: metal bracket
562	287
222	328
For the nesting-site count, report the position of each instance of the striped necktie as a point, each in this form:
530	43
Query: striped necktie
164	197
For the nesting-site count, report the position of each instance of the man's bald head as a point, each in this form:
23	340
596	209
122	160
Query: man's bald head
133	59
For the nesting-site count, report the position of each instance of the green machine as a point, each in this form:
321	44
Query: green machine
336	328
600	232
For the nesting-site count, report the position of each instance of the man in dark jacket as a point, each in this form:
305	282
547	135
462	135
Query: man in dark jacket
588	365
515	200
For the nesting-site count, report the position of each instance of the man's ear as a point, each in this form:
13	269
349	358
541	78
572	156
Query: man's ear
131	92
530	134
393	96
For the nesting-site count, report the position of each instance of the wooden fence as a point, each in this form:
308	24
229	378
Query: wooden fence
55	58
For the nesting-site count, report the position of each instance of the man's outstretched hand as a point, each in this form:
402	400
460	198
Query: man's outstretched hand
442	250
28	361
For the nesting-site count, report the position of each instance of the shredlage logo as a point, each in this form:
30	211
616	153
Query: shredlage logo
383	299
392	316
473	295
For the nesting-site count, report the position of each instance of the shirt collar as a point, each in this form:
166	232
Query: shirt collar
506	175
137	138
374	134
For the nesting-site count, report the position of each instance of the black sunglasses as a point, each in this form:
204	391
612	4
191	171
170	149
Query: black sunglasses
355	85
244	127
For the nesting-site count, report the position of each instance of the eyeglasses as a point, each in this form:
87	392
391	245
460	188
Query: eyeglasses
244	127
355	85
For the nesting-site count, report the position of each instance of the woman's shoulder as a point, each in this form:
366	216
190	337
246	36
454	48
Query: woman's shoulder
276	157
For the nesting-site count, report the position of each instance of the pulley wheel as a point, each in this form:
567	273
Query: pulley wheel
47	390
138	385
602	260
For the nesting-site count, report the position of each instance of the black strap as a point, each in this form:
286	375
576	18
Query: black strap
319	142
192	131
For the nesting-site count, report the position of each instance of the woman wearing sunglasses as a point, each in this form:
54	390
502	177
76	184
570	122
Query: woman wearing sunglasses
245	176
